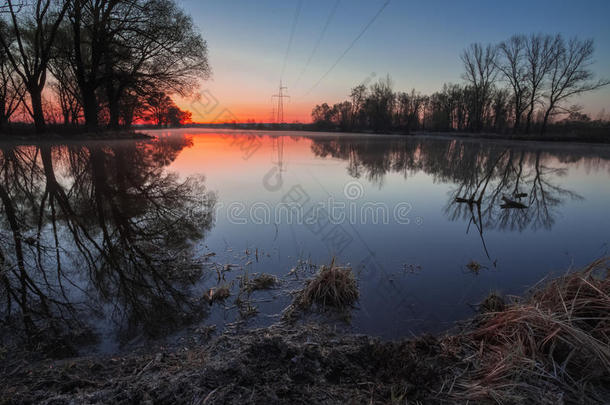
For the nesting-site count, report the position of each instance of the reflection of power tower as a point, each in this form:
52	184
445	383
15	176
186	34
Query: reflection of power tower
280	103
278	141
278	154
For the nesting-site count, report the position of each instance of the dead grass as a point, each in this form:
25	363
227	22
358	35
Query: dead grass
492	303
551	347
474	267
332	287
219	293
262	282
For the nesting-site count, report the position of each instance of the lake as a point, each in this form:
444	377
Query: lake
121	239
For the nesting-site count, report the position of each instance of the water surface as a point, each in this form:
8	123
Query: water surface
125	237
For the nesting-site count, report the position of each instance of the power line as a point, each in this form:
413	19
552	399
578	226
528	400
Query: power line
294	25
280	96
351	45
319	41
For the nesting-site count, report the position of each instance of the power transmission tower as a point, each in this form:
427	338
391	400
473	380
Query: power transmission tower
280	103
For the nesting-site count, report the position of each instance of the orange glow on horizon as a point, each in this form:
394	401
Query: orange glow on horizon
211	111
220	151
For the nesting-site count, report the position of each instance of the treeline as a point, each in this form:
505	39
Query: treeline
97	63
519	86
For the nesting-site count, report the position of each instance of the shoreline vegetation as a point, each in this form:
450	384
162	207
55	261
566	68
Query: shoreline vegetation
110	67
522	85
551	346
568	136
81	63
27	133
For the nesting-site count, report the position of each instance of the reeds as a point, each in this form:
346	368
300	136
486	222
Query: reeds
333	286
552	346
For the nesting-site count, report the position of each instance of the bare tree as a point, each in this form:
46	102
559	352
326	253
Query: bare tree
160	109
34	25
380	104
569	74
481	72
342	115
358	95
90	22
65	87
537	73
123	48
409	108
12	90
540	51
156	49
513	68
322	116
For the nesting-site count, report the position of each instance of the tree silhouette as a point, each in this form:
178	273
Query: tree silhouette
34	28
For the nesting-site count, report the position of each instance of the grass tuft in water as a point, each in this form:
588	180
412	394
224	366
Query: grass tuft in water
219	293
262	282
333	286
492	303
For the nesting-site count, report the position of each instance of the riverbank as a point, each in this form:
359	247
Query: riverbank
61	133
549	347
28	136
555	138
568	136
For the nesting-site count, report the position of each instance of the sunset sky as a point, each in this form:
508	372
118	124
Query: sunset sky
417	43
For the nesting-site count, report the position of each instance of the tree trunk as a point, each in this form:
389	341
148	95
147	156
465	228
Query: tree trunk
74	115
517	118
66	114
546	120
529	119
113	106
128	117
37	113
90	108
3	120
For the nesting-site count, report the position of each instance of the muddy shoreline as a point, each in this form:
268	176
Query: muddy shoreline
550	347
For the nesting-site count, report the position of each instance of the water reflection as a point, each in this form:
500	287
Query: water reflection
113	230
448	160
495	185
101	229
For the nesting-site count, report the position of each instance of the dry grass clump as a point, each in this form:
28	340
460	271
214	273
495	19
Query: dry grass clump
219	293
474	267
553	346
333	286
262	282
492	303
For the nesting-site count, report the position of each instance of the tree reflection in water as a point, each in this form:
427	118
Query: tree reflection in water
485	175
100	229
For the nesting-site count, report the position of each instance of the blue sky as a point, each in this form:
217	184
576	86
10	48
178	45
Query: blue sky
417	43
